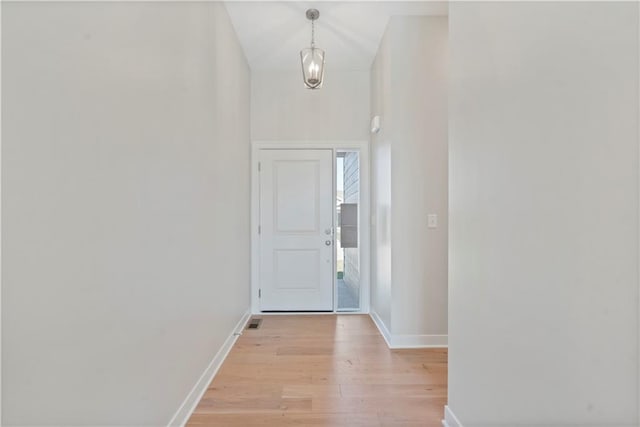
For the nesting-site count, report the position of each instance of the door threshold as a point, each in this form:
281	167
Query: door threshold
299	311
306	313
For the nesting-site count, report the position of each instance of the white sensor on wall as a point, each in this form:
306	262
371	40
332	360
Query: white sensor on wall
375	124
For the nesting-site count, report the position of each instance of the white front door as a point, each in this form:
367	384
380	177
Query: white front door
296	237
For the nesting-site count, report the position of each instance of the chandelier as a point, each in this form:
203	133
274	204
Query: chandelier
312	57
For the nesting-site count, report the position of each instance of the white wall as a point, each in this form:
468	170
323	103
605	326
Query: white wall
544	213
409	92
381	185
125	206
283	109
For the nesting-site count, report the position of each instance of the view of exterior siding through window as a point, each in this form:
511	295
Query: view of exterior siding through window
348	256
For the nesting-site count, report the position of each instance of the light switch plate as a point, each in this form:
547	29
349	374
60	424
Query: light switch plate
432	221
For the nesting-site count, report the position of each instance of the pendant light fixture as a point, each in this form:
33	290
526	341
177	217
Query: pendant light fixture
312	58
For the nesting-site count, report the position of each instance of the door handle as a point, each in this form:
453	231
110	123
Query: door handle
327	242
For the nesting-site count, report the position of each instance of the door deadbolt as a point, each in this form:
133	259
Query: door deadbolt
327	242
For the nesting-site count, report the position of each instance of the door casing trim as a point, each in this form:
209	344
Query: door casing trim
365	216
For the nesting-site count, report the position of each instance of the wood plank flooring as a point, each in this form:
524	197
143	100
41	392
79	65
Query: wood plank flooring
325	370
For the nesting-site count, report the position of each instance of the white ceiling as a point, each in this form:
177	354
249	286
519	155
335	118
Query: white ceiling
273	32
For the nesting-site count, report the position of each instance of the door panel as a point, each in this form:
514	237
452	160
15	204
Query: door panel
296	221
296	194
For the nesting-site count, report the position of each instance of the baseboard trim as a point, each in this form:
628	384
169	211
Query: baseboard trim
408	341
381	327
189	404
450	420
419	341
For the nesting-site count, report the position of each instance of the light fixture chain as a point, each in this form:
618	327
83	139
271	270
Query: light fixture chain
313	33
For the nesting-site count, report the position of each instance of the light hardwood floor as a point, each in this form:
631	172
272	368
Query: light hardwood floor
332	370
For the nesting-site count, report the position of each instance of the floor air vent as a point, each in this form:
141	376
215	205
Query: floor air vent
254	323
